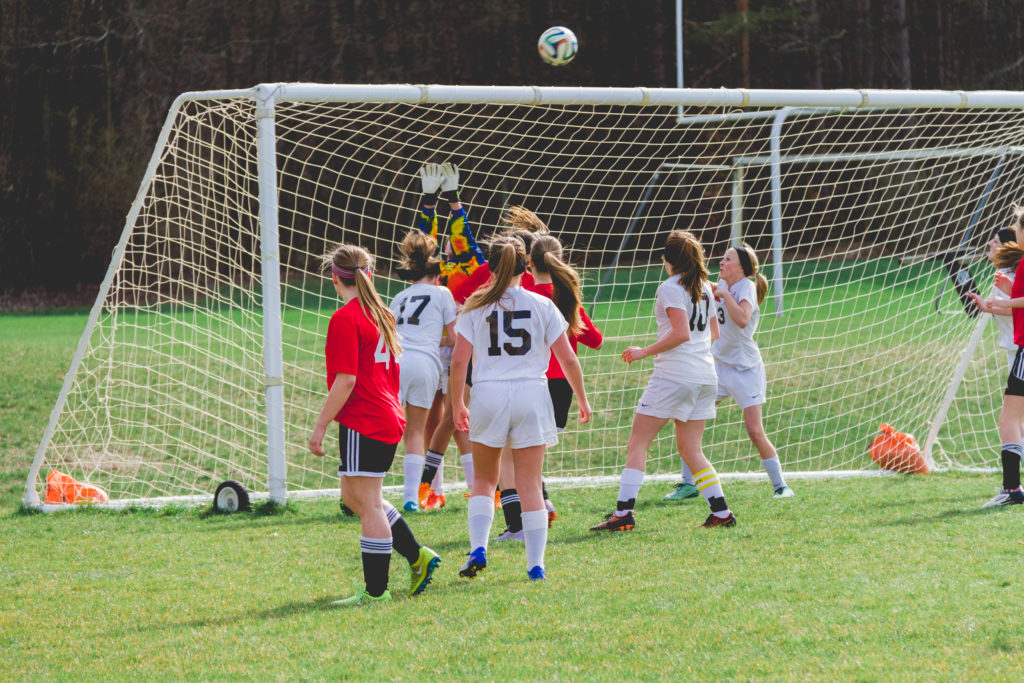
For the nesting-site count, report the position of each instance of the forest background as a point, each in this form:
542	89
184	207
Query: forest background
86	84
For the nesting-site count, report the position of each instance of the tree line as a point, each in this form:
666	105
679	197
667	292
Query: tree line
87	83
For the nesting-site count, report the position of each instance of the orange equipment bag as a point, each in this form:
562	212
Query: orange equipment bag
62	488
898	452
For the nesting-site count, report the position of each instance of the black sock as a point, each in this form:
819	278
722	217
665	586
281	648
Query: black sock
544	490
512	509
404	542
432	461
1010	456
376	563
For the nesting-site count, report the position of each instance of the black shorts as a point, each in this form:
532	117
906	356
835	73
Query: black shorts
561	400
362	456
1015	382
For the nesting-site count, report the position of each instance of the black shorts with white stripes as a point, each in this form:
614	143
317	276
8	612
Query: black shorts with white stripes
1015	382
362	456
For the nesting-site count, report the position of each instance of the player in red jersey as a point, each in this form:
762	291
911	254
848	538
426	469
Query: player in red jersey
1012	415
362	396
558	281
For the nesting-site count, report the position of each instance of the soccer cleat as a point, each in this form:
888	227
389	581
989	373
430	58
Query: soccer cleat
552	512
362	598
476	563
682	491
613	522
346	510
423	495
784	492
411	506
537	573
1006	497
714	520
509	535
433	502
497	500
421	571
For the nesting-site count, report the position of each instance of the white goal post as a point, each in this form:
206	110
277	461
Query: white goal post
202	358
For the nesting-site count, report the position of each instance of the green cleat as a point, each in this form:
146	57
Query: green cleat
783	492
683	491
362	598
421	571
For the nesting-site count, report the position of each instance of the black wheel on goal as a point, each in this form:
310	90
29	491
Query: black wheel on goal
231	497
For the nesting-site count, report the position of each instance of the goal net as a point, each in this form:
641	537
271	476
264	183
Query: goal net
203	360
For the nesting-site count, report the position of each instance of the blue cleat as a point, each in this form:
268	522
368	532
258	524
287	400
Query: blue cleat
537	573
476	563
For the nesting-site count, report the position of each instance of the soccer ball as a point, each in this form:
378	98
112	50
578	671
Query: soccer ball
557	46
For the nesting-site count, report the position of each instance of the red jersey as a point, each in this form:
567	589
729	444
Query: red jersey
1017	290
477	279
355	347
591	336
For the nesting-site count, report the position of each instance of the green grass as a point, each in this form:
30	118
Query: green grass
899	578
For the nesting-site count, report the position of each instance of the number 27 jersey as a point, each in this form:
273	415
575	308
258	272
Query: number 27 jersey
512	339
691	361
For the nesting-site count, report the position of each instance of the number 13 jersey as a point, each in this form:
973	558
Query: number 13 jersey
355	347
691	361
512	339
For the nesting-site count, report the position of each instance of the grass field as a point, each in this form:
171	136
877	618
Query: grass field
893	578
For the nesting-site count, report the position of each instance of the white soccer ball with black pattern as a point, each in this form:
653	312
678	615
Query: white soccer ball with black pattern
557	46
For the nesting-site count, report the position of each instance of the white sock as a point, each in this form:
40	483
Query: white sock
467	468
535	533
437	486
413	469
687	474
774	469
629	486
481	516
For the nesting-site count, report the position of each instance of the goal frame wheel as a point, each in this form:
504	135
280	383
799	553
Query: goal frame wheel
231	496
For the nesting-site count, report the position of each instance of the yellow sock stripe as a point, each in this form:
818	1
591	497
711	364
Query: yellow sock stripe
705	478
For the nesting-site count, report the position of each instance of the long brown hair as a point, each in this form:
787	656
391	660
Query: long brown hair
521	218
1009	254
357	261
751	264
686	257
546	256
419	257
507	258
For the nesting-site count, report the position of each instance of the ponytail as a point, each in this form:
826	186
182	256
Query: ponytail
1008	255
419	257
506	258
749	264
685	256
546	256
352	266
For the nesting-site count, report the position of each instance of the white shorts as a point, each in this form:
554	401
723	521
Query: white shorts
676	400
747	386
418	379
518	412
446	367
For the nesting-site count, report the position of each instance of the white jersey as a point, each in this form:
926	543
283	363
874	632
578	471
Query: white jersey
735	345
1004	323
691	361
512	339
421	313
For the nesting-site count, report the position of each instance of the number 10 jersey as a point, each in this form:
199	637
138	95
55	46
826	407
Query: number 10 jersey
512	339
691	361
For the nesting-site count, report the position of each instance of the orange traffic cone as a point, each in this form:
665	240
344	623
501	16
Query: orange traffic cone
63	488
898	452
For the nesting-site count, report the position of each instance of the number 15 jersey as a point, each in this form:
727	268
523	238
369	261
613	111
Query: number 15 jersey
691	361
512	339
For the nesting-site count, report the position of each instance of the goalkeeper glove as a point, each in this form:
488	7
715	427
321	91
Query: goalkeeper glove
431	178
450	182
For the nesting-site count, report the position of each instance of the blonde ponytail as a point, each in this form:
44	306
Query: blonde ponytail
506	258
352	266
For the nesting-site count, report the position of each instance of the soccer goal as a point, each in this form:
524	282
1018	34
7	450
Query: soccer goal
202	359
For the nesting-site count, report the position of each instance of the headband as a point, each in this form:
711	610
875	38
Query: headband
350	273
745	263
1006	235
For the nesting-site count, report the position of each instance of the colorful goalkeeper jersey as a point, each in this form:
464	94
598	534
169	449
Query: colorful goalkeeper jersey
466	256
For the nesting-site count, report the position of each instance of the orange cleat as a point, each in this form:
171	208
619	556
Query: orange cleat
424	495
434	502
497	500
